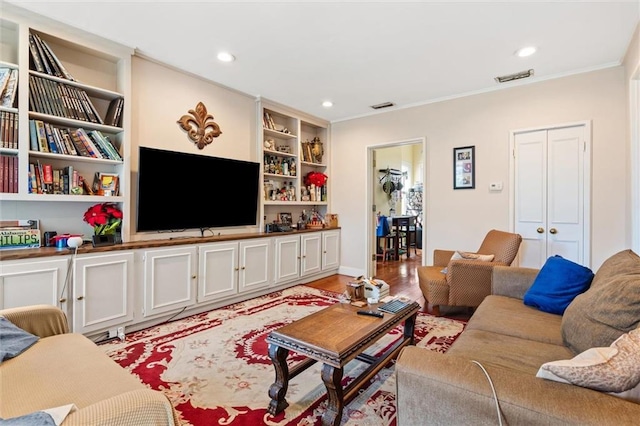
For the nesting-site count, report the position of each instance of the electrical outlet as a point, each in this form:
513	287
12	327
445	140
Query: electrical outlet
121	333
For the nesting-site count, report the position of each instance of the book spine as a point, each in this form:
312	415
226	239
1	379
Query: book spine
3	172
88	105
53	148
47	178
33	185
43	58
52	62
9	94
60	65
15	144
9	172
35	55
80	147
78	135
91	147
3	125
42	136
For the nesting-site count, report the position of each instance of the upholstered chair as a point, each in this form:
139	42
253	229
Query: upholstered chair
466	281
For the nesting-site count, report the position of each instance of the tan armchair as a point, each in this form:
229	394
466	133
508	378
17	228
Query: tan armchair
466	282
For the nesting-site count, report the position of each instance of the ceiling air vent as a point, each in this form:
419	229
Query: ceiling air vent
383	105
516	76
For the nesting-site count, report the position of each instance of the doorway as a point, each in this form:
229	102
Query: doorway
396	176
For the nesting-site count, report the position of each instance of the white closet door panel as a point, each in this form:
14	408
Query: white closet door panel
531	196
566	193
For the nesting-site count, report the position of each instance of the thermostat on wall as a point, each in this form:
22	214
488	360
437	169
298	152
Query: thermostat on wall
495	186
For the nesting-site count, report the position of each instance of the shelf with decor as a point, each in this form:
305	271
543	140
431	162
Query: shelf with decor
286	166
68	81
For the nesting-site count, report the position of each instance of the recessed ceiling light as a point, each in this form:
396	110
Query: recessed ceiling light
226	57
526	51
327	104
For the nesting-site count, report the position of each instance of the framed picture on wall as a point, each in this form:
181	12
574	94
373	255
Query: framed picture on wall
464	168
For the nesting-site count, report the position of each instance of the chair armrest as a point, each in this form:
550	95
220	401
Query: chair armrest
512	281
469	281
140	407
430	387
442	257
41	320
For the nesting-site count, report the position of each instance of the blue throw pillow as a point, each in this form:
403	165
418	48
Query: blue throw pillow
557	284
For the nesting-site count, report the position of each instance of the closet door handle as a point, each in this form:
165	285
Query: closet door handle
540	230
553	231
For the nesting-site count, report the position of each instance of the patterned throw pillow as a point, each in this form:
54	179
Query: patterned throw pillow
462	255
611	369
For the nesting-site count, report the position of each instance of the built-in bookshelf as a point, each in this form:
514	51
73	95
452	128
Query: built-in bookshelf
292	145
68	118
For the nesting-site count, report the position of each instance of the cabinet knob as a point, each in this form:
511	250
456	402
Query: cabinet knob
243	268
540	230
80	297
62	300
553	231
237	269
193	277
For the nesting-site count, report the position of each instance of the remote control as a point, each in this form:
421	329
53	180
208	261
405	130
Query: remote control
371	314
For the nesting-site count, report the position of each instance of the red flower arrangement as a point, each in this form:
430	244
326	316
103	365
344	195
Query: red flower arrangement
105	218
315	178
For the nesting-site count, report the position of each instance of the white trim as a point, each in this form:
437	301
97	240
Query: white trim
586	180
634	155
369	225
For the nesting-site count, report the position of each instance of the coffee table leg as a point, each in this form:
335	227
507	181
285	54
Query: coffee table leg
278	389
409	327
332	378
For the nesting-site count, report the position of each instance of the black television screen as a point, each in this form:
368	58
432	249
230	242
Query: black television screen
178	191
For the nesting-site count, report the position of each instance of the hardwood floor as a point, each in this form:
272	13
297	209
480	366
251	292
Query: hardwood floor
402	277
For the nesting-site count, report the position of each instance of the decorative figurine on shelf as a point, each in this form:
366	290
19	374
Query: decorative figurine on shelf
317	150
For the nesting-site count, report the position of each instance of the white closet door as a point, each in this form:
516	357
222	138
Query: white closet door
531	197
550	205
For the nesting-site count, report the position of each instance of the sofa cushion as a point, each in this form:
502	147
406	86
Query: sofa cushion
13	340
557	284
508	316
612	369
610	308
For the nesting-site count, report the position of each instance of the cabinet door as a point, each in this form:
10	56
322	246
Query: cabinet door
311	253
102	291
330	250
217	271
254	264
287	258
169	279
34	283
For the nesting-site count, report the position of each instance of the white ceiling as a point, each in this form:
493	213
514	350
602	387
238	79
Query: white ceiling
361	53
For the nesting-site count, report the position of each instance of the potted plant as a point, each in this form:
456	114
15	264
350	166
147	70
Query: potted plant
106	219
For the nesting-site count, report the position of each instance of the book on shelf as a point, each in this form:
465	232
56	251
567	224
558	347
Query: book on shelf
43	144
8	130
8	99
45	59
106	143
33	184
53	147
8	173
86	140
114	112
5	73
47	178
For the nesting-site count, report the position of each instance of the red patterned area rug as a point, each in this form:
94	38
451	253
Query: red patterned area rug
216	370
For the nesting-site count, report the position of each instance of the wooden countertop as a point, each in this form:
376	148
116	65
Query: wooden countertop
167	242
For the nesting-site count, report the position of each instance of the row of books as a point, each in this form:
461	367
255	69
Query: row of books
8	130
8	87
267	121
8	173
44	60
114	113
62	100
44	179
46	137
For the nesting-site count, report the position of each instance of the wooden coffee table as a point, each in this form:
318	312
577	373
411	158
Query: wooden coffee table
334	336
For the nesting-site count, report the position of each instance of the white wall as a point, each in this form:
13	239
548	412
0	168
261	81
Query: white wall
460	219
161	95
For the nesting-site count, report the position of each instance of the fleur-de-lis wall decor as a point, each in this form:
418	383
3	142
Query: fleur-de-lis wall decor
200	126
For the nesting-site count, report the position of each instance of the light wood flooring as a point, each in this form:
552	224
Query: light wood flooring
402	277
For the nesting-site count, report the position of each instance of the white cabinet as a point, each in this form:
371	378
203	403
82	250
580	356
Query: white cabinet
287	259
305	255
169	279
330	250
227	269
102	291
217	271
34	282
254	264
311	254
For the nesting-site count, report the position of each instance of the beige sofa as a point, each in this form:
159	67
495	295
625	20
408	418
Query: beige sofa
511	341
67	368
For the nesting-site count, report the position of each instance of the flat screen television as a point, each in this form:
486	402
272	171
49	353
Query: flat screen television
179	191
